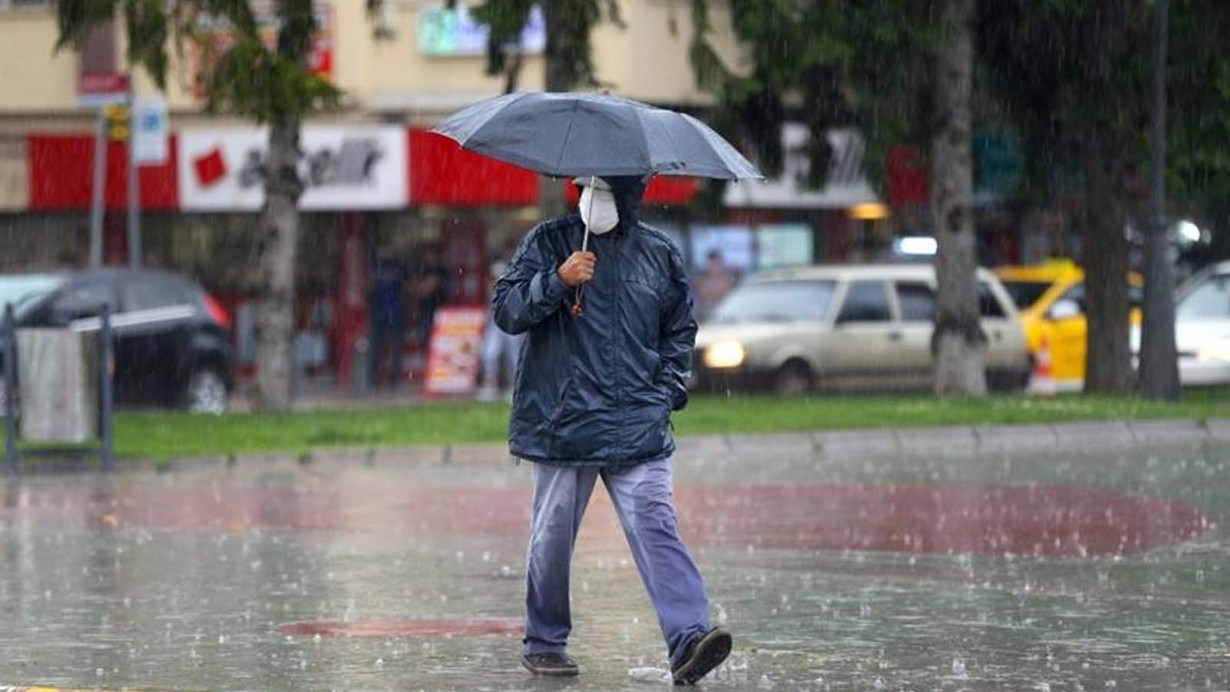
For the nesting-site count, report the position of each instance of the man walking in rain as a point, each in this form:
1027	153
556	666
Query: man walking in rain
593	400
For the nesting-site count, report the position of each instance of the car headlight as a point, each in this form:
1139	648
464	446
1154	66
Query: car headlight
724	354
1218	350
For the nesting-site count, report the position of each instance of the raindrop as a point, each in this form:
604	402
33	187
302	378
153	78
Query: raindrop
958	667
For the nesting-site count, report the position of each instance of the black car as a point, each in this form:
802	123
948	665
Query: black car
172	339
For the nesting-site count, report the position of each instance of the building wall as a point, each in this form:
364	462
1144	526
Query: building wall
389	77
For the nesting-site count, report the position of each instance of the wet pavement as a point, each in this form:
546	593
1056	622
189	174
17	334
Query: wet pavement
937	566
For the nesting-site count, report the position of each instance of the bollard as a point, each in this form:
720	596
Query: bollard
106	373
360	366
8	334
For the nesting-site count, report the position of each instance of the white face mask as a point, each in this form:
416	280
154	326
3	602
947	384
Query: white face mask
598	210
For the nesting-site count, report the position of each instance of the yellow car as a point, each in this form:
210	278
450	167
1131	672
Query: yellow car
1051	300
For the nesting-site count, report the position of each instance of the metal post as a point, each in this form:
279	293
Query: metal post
105	373
96	194
134	185
9	335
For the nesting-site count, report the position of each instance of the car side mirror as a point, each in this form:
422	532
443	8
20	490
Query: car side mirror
1063	309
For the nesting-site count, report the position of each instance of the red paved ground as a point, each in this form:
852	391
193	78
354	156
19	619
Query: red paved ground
1041	520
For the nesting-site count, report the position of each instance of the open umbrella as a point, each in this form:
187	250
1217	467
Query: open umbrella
567	134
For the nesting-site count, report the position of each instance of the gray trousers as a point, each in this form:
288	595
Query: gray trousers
642	496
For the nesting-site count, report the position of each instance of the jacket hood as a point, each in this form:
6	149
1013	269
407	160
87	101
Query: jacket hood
628	191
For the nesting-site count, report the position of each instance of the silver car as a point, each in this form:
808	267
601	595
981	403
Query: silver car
1202	327
845	328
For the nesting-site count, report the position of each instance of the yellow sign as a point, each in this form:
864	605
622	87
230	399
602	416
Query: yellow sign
119	123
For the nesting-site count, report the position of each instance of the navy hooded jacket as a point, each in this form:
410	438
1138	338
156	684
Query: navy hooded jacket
598	389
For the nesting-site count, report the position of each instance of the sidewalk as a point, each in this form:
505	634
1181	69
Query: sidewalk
1071	556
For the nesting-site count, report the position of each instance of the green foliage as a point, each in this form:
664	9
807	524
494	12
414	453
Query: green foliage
825	64
266	86
1198	86
251	80
569	23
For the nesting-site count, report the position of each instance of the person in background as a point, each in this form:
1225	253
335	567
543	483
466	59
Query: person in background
712	283
429	289
500	349
593	402
387	310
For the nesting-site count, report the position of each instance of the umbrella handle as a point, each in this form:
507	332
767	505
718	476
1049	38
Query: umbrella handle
576	308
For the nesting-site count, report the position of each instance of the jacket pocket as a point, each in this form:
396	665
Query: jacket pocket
561	406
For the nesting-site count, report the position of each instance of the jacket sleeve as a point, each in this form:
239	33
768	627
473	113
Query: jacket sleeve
529	291
677	336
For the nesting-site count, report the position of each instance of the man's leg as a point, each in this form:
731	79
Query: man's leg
643	498
560	496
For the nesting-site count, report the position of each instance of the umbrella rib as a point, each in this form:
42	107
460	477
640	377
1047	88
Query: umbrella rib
563	145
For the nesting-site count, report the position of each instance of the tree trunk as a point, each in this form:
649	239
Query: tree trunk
958	342
1108	358
279	234
1159	368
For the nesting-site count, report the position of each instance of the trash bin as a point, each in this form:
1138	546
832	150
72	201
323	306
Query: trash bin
57	375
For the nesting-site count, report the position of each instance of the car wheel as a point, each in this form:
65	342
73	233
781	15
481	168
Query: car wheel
205	392
793	379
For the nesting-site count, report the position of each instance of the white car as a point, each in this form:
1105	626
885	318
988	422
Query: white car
1202	327
846	327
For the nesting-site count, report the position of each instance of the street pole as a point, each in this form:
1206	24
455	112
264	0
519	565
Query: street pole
96	193
134	184
1159	373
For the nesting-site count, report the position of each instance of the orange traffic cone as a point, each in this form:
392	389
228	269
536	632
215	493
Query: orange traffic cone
1042	381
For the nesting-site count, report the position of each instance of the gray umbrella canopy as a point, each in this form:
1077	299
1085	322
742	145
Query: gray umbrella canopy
568	134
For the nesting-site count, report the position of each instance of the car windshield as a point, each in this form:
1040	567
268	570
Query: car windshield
777	301
1026	293
1210	299
24	291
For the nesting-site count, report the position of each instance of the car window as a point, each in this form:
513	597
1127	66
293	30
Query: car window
866	301
917	301
26	290
1210	300
82	299
1026	293
1076	294
150	293
777	301
988	303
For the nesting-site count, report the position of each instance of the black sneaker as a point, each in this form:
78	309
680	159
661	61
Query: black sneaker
556	665
703	655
